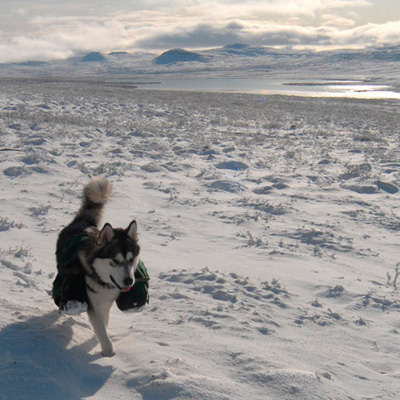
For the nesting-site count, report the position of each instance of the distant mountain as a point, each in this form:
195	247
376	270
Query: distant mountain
93	56
178	55
387	54
373	54
235	59
33	63
236	47
247	50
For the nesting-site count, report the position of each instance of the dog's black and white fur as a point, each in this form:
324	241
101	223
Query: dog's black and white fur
107	260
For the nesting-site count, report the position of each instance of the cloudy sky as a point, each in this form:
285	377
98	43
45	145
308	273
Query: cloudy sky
56	29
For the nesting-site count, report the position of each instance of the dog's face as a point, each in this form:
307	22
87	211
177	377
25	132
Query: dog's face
118	256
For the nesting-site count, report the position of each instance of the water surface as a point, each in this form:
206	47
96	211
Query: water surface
267	86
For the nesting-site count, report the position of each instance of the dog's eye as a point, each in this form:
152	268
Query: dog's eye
130	260
115	262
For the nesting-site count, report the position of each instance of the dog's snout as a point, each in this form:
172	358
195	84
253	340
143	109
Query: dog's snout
128	281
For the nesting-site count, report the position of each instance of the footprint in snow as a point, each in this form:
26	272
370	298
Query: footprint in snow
16	171
232	165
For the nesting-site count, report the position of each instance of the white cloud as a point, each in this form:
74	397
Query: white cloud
271	8
336	33
369	35
61	44
335	20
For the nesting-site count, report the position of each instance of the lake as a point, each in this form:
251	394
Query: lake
263	86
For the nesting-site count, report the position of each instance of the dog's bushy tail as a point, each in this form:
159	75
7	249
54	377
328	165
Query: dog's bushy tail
95	195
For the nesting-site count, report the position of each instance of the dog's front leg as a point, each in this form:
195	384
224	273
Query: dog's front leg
98	319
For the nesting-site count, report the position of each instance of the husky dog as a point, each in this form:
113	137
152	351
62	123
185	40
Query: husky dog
96	265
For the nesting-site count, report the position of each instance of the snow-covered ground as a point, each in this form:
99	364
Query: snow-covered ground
269	226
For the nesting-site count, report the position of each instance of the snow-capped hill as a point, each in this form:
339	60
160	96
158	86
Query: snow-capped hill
233	60
236	47
387	54
118	53
178	55
372	54
33	63
93	56
247	50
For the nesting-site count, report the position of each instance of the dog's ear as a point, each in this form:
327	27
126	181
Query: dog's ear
106	234
132	231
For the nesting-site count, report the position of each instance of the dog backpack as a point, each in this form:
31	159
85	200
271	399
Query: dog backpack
138	296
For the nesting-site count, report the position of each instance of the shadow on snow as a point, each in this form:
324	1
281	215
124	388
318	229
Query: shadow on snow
36	363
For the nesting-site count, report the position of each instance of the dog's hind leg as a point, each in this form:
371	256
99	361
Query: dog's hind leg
99	321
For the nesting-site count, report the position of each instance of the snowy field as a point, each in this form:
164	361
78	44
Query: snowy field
269	226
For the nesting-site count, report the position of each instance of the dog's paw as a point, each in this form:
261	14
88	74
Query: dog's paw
74	307
108	353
